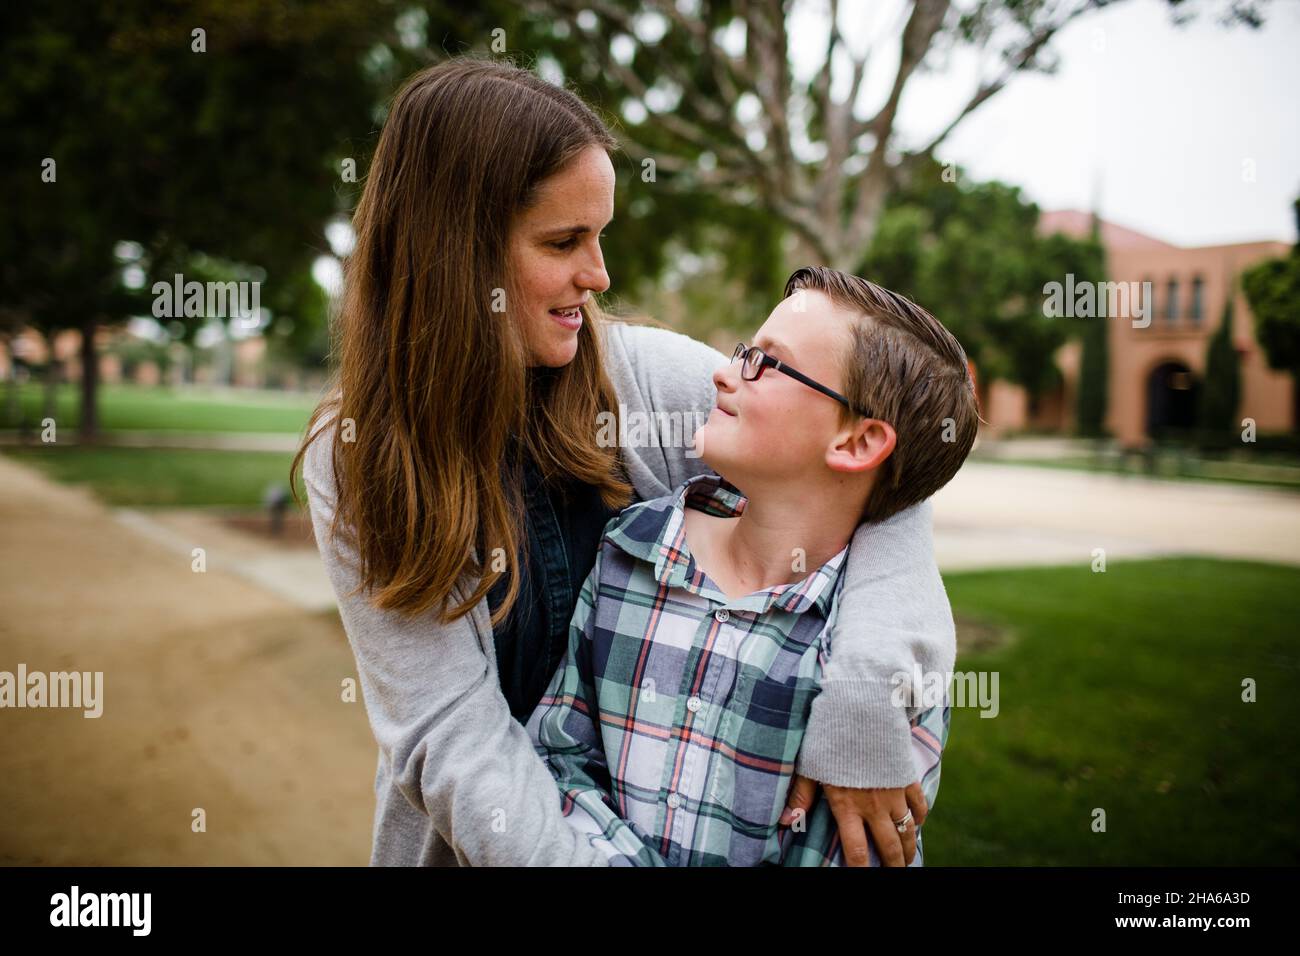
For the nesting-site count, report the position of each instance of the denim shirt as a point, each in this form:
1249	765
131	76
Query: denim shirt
563	525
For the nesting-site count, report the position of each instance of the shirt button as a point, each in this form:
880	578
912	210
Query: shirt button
674	800
722	615
693	704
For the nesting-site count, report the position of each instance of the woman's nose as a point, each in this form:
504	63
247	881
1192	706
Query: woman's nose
593	275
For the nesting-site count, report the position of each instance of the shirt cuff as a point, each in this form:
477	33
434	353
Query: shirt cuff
857	736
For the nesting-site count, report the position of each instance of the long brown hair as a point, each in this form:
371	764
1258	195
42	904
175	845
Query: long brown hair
436	383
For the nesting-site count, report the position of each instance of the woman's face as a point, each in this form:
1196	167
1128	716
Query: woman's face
555	255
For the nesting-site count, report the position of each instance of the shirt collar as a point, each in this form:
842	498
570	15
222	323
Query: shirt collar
654	532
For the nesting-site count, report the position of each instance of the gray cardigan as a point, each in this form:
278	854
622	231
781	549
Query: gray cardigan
458	781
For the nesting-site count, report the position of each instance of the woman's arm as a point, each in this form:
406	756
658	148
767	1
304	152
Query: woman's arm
444	730
894	620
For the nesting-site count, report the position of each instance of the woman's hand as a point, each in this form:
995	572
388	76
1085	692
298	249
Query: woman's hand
857	811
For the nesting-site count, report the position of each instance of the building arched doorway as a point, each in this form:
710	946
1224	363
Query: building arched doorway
1173	394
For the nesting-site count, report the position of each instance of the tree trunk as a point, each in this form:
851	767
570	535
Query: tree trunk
12	407
89	384
803	253
51	383
1295	387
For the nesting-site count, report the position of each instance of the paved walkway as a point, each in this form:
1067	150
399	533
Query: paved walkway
217	694
294	574
1010	516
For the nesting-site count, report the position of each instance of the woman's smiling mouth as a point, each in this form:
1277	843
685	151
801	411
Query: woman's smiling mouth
570	318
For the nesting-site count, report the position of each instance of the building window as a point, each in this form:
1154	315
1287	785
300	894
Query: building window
1194	312
1171	300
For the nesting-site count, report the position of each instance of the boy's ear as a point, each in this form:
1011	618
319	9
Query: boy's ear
863	447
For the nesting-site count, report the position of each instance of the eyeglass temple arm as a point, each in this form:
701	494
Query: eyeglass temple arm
800	376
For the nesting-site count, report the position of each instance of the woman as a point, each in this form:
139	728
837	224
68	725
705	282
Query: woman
458	488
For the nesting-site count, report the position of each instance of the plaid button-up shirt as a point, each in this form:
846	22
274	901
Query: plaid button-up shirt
673	723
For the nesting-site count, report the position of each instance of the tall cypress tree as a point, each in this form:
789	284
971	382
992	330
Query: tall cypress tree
1093	370
1222	390
1094	364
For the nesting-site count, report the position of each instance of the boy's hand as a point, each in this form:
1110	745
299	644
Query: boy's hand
857	811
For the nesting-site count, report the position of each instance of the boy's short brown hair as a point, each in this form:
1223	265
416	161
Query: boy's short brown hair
906	369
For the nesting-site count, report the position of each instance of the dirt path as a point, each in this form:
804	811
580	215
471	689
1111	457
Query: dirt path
216	694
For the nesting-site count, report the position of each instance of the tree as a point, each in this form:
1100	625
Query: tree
971	254
121	123
1273	289
1094	380
709	94
1222	391
1094	363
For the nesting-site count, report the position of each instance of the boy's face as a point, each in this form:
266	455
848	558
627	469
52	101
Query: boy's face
777	428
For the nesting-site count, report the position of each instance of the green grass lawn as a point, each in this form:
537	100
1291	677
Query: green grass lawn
163	476
128	407
1122	691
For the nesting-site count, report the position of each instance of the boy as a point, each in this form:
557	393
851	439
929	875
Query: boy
699	637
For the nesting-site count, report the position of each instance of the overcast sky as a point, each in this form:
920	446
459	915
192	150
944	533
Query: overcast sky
1165	125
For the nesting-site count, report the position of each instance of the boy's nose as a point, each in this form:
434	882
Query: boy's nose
723	377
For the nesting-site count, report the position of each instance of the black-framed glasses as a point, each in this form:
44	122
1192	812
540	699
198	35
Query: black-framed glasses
753	360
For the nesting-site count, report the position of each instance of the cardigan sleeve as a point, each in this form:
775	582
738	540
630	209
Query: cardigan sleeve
448	745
